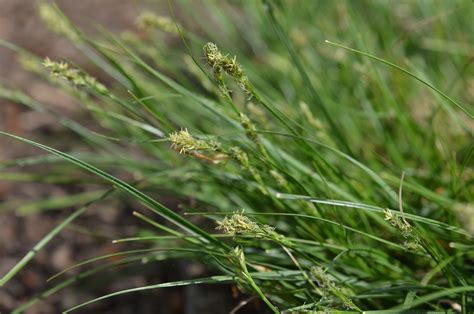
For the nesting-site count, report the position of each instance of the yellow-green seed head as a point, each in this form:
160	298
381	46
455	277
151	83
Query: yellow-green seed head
185	143
240	156
149	20
213	55
76	77
222	63
238	224
249	127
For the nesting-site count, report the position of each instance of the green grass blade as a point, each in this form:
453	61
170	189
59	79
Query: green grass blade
152	204
437	90
42	243
207	280
377	209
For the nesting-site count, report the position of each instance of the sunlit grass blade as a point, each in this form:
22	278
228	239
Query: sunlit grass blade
376	209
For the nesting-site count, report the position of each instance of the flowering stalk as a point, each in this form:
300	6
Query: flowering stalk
413	241
239	224
328	285
237	258
186	144
76	77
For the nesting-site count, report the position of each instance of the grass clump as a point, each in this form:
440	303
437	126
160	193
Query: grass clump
312	138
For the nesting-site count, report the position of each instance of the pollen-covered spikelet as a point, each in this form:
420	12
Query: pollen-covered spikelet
207	150
239	224
76	77
185	143
223	63
413	242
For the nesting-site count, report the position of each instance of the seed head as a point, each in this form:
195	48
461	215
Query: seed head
239	155
238	224
279	179
223	63
412	240
249	127
185	143
149	20
75	76
214	56
220	62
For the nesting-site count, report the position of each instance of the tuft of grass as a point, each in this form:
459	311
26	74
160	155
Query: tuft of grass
245	106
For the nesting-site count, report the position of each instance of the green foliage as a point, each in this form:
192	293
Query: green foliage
310	137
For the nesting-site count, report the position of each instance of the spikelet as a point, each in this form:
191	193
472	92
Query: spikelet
240	156
249	128
239	224
413	242
221	63
207	150
328	286
76	77
148	20
280	180
185	143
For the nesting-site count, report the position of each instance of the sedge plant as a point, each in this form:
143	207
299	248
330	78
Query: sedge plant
327	147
